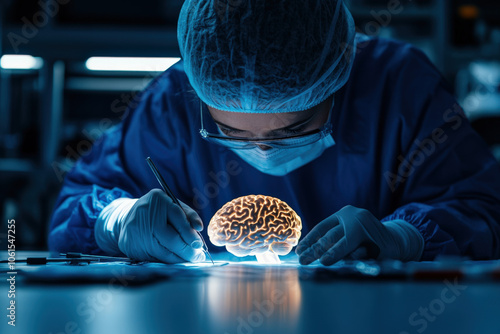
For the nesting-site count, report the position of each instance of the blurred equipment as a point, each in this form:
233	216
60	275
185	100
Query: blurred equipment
478	90
476	23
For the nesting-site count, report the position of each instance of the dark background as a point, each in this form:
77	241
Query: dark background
50	116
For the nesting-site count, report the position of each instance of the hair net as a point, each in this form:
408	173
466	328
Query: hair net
263	56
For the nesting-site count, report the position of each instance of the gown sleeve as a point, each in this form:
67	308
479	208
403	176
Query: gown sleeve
97	179
446	181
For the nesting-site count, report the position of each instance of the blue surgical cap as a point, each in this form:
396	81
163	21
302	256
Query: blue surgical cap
263	56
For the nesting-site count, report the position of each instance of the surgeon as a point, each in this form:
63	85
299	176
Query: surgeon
361	136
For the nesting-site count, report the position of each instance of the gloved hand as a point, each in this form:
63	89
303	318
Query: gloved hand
150	228
354	233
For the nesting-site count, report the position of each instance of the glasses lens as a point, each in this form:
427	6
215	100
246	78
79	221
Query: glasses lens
298	141
223	141
241	143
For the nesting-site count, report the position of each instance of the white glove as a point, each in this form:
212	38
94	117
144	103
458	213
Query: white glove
354	233
151	228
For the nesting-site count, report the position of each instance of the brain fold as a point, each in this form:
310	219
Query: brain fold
255	224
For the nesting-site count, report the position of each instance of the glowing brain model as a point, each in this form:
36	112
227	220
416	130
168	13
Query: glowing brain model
257	225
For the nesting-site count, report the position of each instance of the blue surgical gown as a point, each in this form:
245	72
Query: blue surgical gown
403	150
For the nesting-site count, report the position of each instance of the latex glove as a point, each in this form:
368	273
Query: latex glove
354	233
151	228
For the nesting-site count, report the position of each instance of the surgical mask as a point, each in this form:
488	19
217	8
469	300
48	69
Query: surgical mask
281	161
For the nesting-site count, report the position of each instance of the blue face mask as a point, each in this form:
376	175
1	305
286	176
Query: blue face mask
281	161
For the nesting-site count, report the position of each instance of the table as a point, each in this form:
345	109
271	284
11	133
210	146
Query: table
244	297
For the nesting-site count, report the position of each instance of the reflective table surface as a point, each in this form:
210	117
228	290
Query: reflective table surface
246	297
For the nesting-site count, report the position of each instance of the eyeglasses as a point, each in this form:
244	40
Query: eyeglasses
298	140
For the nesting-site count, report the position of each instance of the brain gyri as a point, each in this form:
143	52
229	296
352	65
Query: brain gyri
254	225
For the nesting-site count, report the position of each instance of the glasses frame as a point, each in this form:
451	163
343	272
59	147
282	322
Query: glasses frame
220	139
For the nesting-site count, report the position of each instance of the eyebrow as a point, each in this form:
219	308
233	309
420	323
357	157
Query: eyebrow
304	121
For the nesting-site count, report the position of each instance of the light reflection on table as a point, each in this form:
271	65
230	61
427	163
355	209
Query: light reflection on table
275	293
